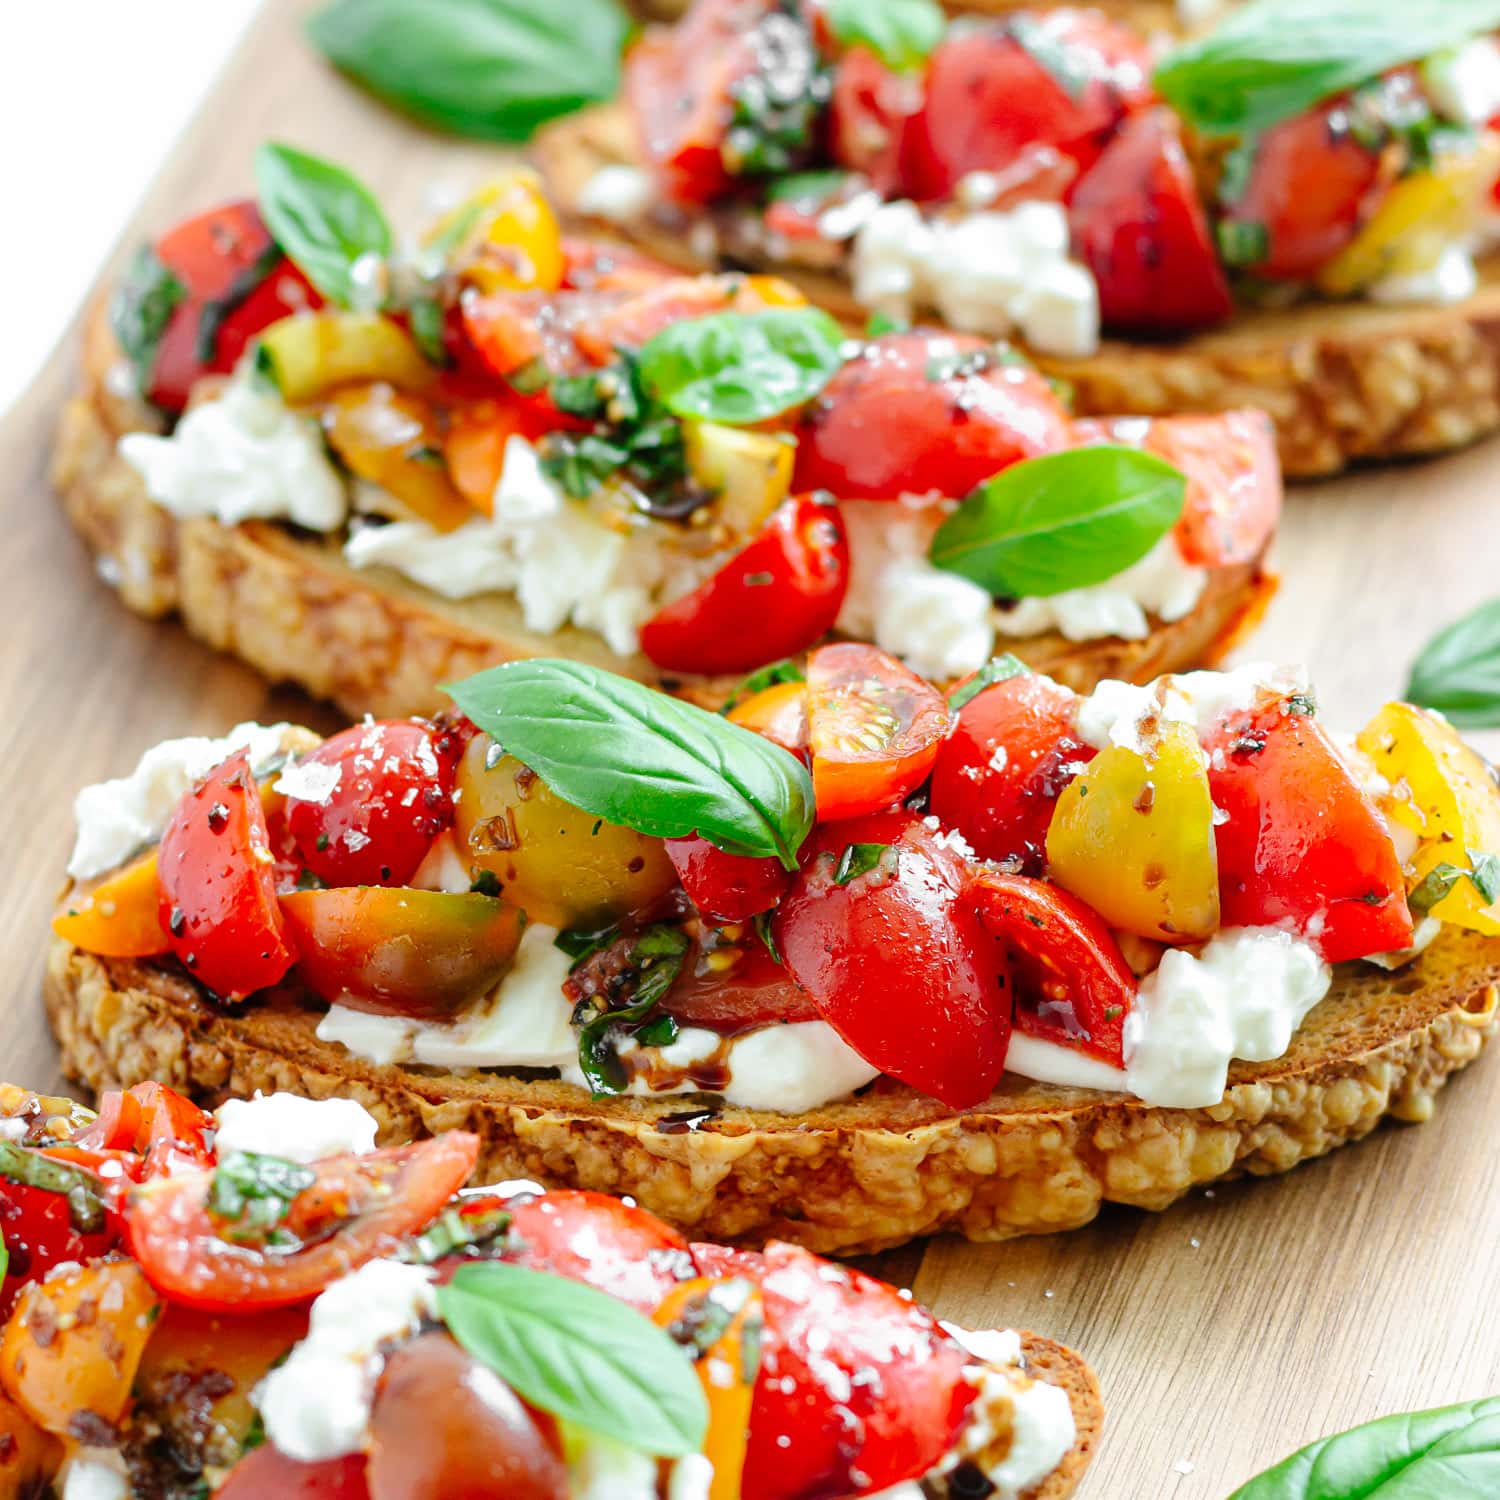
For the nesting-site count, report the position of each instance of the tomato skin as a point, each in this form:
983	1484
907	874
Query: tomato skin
39	1235
1312	185
870	113
1002	803
874	727
394	795
778	712
989	98
884	428
1072	984
390	1194
726	887
895	961
266	1471
813	1432
1234	490
790	582
218	885
168	1132
591	1237
756	991
1301	840
1140	227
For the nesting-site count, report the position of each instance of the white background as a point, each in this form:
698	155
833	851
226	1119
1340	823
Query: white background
92	95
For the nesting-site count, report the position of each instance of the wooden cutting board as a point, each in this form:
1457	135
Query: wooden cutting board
1226	1332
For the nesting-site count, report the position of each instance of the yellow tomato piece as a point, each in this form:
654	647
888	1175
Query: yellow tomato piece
392	439
504	237
1418	219
29	1457
768	291
727	1382
75	1341
1134	837
559	864
1446	795
751	472
118	918
314	353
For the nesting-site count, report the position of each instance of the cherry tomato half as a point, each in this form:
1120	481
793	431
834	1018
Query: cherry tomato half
1298	840
894	958
389	794
168	1132
859	1389
868	118
925	412
726	887
874	729
775	598
778	712
753	991
357	1210
1140	227
218	885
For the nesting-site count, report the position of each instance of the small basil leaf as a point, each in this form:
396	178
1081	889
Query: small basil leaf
996	669
879	324
579	1354
580	943
1063	521
857	860
142	306
806	187
901	33
740	368
1452	1453
324	218
625	752
1458	672
771	675
491	69
1483	872
1273	59
4	1257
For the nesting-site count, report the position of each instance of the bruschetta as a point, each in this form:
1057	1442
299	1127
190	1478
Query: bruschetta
856	962
544	446
260	1303
1289	213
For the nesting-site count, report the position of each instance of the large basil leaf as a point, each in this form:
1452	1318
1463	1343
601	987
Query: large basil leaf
901	33
742	367
625	752
1063	521
579	1354
1458	672
1452	1453
493	69
322	216
1273	59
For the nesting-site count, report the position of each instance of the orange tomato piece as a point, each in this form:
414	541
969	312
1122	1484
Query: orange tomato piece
119	918
29	1457
475	447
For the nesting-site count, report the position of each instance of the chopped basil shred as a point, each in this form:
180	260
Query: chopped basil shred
454	1231
79	1187
252	1193
656	959
771	675
857	860
580	943
777	107
1483	873
996	669
142	306
901	33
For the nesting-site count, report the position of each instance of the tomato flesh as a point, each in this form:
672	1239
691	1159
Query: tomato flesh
1301	843
922	413
755	991
38	1232
894	958
726	887
359	1208
390	793
168	1132
775	598
218	885
874	727
1140	227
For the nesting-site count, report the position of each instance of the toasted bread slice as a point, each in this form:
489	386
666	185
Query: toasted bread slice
859	1174
1060	1366
288	604
1344	382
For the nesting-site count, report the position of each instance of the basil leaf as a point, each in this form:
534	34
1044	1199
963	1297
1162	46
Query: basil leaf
1458	672
1273	59
901	33
491	69
1483	871
324	218
251	1194
857	860
996	669
740	368
625	752
579	1354
452	1231
580	943
1452	1453
1063	521
4	1257
142	306
656	959
78	1187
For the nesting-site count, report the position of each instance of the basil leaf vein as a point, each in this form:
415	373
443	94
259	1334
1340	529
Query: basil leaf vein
322	216
1062	521
740	368
1458	671
1452	1452
901	33
639	758
579	1354
1273	59
491	69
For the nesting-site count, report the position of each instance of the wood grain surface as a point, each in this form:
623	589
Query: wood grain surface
1225	1332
